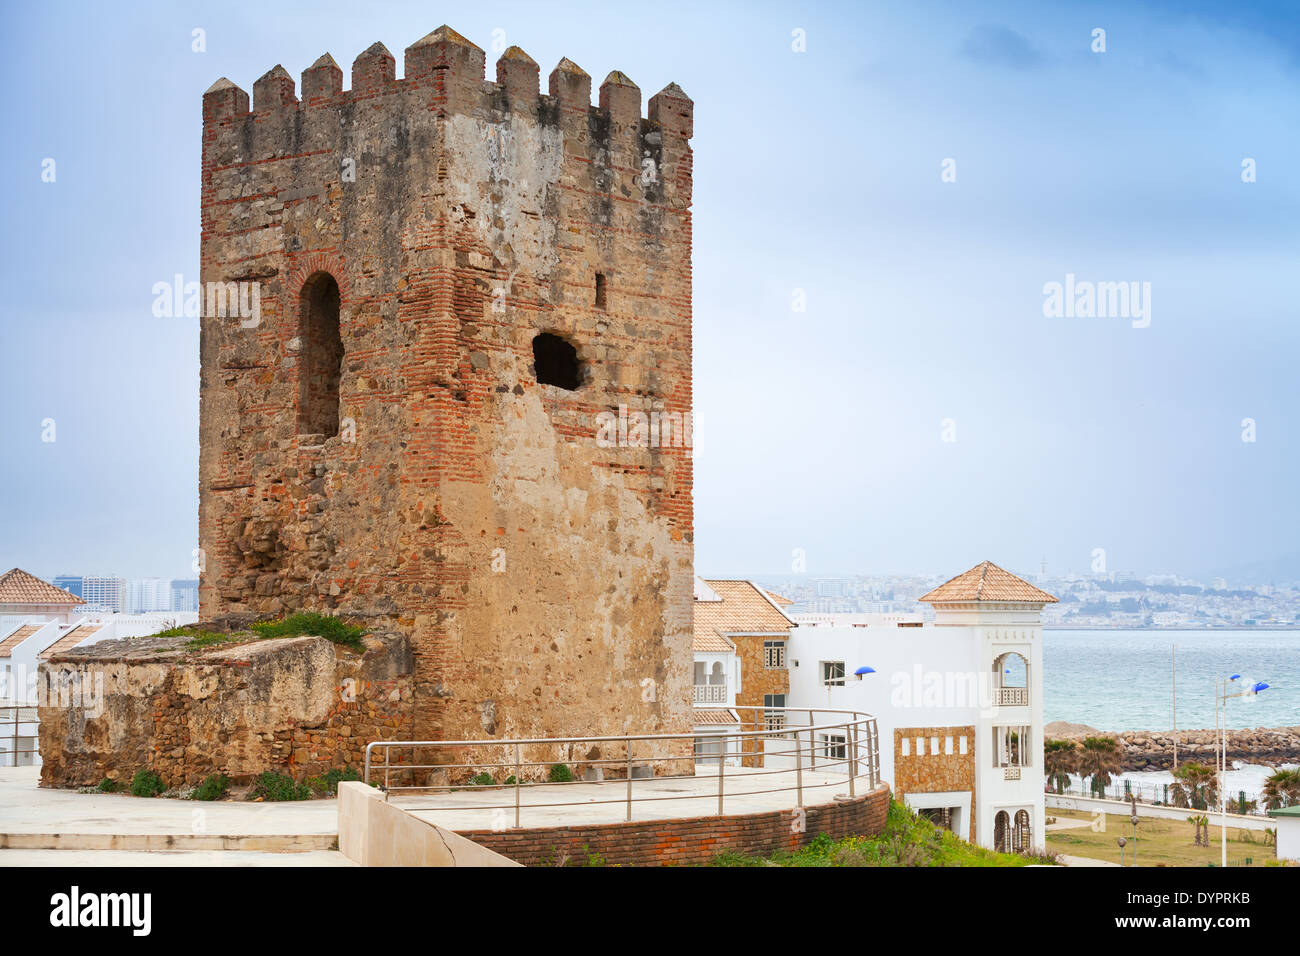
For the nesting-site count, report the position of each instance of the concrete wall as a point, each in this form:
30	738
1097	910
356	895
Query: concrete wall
373	832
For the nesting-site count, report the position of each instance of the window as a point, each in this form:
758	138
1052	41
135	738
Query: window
934	746
833	673
774	655
835	747
920	746
600	290
961	745
947	746
905	747
1011	746
773	715
556	362
320	356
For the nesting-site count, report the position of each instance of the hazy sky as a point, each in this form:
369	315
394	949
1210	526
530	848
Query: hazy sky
818	171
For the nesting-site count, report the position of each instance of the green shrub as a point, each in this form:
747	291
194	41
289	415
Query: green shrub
328	783
108	786
560	773
315	625
146	783
278	787
484	779
213	788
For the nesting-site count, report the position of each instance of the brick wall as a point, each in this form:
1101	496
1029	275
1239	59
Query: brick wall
693	840
544	577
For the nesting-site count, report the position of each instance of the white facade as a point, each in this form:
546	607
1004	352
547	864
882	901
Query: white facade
951	673
1288	836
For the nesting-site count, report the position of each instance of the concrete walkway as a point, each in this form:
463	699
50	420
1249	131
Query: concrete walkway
654	798
32	818
1068	860
137	858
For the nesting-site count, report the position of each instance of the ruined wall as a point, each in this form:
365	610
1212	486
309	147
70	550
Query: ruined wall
299	706
544	579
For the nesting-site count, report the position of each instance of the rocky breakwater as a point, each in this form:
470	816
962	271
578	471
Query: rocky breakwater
1154	750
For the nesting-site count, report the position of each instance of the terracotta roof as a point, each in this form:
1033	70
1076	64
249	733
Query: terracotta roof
19	587
73	638
704	718
986	582
744	609
779	599
17	637
712	642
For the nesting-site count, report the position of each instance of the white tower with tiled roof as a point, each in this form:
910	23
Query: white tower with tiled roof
1003	615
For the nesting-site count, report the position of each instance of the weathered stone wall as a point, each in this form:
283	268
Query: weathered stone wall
688	840
936	773
297	705
544	580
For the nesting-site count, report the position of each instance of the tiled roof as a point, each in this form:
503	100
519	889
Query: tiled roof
17	637
19	587
744	609
78	635
704	718
779	600
712	643
986	582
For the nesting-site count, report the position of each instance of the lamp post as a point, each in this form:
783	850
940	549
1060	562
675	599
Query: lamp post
1221	698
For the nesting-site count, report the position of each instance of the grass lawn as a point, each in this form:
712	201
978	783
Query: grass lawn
1159	843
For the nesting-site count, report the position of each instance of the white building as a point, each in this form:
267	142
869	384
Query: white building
958	701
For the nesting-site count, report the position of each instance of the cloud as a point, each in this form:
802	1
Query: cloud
1000	46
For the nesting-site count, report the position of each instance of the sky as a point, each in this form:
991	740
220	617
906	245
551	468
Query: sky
913	174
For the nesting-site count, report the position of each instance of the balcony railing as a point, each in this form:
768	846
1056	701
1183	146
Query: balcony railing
1013	696
710	693
853	762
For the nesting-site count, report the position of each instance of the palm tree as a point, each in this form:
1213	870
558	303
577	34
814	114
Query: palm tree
1100	757
1195	786
1060	759
1202	825
1282	789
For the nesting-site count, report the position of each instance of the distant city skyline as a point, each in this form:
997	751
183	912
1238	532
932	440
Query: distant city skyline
877	217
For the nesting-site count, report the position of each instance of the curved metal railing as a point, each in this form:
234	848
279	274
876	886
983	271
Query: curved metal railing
800	749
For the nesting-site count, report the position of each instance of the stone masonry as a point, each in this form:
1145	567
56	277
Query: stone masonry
454	279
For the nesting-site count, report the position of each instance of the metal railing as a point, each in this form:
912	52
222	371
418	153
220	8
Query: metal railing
776	760
13	717
1248	803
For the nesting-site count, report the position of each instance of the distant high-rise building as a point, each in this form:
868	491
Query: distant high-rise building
104	593
148	594
185	595
69	582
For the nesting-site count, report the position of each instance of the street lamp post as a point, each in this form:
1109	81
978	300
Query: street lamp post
1221	698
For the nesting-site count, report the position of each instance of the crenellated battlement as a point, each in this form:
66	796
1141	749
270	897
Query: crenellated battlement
460	281
452	70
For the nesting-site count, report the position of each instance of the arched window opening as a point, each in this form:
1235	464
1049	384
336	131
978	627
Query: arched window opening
556	362
1011	678
1020	835
320	356
1001	834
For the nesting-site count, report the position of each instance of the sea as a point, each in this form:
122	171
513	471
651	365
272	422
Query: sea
1125	679
1117	680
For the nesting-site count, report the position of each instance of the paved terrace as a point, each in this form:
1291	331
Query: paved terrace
747	791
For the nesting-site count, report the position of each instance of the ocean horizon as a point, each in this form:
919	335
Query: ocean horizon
1117	679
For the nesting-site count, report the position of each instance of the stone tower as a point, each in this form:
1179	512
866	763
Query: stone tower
447	285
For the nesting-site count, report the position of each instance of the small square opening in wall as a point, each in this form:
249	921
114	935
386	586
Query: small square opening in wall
600	290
